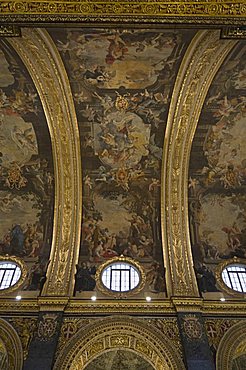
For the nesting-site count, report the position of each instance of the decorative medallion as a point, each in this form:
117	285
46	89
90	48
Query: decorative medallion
47	327
192	327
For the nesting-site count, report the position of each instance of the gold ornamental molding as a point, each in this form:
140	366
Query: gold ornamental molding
179	11
232	345
45	66
202	60
13	345
118	332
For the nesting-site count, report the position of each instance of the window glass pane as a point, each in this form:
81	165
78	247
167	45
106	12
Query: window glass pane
120	277
234	276
10	273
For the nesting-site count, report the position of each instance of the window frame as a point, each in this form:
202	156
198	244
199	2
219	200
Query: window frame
222	268
120	260
23	273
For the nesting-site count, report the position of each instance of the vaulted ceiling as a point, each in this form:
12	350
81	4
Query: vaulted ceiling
122	141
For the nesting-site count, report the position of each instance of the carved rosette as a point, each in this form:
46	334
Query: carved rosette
203	58
43	62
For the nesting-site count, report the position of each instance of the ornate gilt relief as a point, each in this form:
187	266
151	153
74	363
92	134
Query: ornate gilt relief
25	328
12	343
117	332
202	60
232	342
44	65
216	329
208	12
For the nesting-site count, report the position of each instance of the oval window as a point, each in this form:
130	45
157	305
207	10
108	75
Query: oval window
120	277
234	276
10	274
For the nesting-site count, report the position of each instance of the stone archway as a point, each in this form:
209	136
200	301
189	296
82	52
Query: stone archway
232	345
12	344
119	333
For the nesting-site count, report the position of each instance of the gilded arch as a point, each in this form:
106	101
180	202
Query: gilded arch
12	343
202	60
39	54
232	345
118	333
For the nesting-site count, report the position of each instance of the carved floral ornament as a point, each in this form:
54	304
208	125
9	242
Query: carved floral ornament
118	333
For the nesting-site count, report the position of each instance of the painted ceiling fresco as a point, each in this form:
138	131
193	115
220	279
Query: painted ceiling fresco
217	182
122	83
26	170
119	360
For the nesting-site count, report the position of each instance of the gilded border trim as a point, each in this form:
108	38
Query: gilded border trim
23	276
83	10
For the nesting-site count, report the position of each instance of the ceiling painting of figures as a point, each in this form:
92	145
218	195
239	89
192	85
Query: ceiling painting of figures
26	185
122	81
217	197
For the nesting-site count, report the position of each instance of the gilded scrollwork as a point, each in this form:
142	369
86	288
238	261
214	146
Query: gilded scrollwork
169	327
9	30
43	62
216	329
25	328
102	10
69	328
203	58
117	332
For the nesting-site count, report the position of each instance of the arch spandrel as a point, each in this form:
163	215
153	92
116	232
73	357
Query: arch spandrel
48	73
199	66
